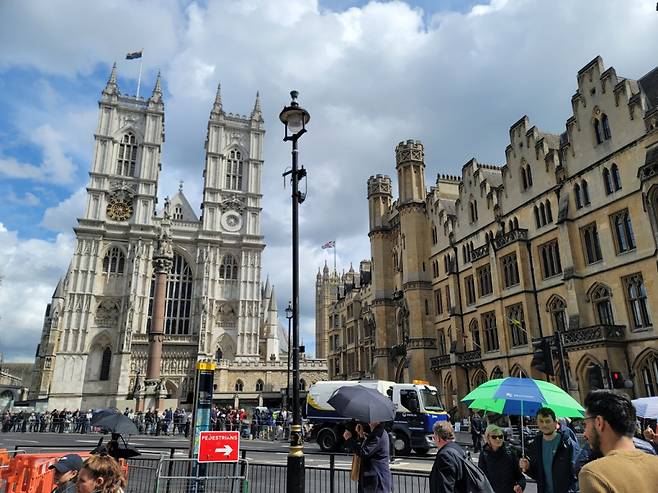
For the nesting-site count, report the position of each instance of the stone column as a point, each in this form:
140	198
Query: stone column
162	262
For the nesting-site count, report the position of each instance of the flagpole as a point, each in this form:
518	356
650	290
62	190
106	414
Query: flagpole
139	77
335	256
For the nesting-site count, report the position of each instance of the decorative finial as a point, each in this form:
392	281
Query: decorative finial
256	114
156	96
111	87
294	95
180	186
217	105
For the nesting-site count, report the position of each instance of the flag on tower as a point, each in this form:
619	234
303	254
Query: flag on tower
134	54
329	244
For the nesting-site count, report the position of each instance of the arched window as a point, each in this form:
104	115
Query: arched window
259	385
178	212
649	372
600	297
516	223
234	165
518	372
606	127
542	214
528	175
549	212
474	211
479	378
491	342
558	310
114	261
475	335
441	342
576	194
607	181
496	373
228	269
636	298
106	360
597	131
537	222
178	302
239	385
127	155
302	384
616	179
585	192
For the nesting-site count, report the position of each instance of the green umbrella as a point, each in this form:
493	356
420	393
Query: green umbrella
523	397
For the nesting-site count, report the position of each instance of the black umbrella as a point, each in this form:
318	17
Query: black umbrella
115	449
116	423
102	413
363	404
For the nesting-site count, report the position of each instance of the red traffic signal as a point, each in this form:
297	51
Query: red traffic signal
617	379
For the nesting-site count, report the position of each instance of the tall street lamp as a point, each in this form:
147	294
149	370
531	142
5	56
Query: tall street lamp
289	317
295	118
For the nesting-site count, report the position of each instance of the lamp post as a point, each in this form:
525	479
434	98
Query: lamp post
289	317
295	118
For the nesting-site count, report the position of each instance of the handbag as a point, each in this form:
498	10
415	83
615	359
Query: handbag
356	467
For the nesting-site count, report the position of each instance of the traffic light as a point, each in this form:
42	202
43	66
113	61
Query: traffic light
542	357
617	380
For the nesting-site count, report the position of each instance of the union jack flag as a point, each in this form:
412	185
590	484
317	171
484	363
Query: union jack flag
329	244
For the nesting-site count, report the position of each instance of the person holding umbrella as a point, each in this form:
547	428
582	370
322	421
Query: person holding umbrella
367	405
551	457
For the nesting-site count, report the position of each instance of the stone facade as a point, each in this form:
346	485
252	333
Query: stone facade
561	239
94	342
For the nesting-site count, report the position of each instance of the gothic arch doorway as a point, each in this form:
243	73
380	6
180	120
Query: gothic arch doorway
225	348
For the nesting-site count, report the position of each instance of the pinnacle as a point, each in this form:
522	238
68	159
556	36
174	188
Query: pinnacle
217	106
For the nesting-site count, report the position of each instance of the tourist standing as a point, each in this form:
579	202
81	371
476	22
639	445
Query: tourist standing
500	463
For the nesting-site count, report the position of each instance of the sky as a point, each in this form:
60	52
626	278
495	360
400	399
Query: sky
454	74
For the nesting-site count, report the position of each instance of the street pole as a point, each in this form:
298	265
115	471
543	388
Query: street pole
295	119
288	374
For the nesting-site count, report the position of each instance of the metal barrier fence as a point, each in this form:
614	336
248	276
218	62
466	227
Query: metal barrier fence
154	463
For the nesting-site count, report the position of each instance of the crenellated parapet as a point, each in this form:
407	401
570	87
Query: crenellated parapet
409	151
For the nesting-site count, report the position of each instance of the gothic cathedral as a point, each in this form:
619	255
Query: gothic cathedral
94	343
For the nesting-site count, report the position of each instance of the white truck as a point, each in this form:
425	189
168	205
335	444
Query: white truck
417	405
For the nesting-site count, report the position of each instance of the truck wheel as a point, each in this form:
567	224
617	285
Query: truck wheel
327	440
421	451
402	444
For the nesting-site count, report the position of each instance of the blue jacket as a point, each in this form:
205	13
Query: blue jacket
375	473
565	478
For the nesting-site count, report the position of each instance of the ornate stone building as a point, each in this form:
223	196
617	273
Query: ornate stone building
561	239
94	343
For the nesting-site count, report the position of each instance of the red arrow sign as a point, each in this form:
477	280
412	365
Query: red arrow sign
219	446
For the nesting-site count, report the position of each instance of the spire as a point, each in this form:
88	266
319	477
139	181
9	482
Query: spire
325	271
256	114
217	106
111	87
156	96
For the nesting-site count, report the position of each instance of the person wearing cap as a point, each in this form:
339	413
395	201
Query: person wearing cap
66	473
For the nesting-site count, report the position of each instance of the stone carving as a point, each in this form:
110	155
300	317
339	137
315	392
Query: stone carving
232	202
164	249
107	312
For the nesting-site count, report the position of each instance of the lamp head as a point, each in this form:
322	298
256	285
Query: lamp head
295	118
289	311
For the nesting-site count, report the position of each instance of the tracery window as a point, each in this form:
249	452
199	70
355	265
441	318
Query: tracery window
475	334
623	229
259	385
649	372
228	269
178	301
510	270
558	308
516	325
234	166
490	332
549	253
636	299
178	212
127	158
114	261
600	297
239	386
591	244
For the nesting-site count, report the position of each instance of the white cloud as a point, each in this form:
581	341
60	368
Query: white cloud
63	217
25	292
28	199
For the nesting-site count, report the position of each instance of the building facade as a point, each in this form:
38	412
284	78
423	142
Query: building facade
561	239
94	343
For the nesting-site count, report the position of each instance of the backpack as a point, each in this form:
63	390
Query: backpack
476	481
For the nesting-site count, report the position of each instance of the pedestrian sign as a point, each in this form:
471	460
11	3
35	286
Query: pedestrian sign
219	446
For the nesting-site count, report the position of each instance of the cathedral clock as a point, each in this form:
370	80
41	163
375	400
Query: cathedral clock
119	209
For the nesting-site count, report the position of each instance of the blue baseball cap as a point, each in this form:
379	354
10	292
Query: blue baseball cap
71	462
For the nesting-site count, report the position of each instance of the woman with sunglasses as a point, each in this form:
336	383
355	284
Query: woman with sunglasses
500	462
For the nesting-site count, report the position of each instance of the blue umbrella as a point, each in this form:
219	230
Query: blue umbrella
646	407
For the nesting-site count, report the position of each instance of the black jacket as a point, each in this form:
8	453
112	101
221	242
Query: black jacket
447	475
564	474
375	473
501	468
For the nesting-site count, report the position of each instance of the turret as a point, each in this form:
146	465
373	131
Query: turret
410	164
379	200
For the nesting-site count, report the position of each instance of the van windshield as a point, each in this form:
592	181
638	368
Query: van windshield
431	401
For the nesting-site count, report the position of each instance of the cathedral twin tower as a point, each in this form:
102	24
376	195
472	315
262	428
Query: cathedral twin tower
94	342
